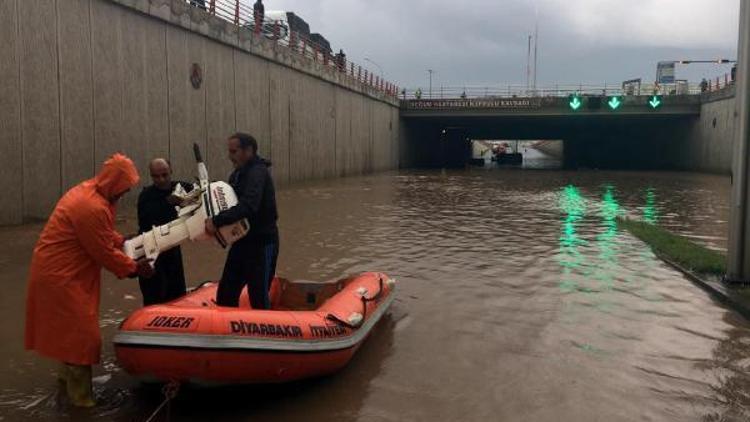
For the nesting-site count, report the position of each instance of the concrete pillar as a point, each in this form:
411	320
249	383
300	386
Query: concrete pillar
739	237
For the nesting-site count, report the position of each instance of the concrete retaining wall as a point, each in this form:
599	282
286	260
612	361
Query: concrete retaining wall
86	78
710	143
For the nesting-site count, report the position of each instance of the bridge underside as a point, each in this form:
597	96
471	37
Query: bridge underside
603	141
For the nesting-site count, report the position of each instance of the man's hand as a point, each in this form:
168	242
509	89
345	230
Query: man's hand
210	228
174	200
144	268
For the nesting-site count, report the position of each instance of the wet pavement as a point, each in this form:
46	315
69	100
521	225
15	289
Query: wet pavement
520	299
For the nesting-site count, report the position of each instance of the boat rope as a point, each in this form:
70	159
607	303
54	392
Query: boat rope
169	391
374	298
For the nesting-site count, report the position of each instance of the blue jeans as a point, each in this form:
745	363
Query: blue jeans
250	263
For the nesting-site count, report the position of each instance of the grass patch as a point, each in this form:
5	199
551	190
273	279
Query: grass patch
679	249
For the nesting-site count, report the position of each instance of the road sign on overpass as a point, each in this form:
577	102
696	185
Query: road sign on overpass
574	105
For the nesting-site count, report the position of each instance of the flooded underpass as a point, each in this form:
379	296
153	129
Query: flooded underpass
519	299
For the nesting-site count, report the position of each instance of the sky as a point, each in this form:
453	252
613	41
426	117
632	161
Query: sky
484	42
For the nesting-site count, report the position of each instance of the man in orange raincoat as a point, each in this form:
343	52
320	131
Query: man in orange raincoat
62	305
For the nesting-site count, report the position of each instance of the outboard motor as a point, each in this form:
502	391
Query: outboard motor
205	201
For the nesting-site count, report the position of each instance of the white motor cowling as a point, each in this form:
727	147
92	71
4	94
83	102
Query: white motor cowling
191	224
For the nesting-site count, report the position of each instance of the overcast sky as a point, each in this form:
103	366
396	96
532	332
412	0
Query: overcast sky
480	42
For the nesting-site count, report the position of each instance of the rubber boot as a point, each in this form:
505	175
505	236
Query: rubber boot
62	374
79	388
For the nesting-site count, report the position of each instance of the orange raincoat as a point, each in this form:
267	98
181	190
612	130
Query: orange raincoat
62	304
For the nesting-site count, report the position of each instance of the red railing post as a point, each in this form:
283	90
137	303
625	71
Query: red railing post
366	76
212	7
325	57
237	12
717	83
276	31
316	53
352	66
370	79
359	73
292	40
726	79
304	47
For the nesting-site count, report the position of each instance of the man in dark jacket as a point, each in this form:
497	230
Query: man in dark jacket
156	207
251	260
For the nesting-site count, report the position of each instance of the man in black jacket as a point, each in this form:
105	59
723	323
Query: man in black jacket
251	260
156	207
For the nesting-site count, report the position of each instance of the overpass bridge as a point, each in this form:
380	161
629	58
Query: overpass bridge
600	128
571	106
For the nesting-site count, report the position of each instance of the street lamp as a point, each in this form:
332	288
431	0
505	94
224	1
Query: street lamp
717	61
367	59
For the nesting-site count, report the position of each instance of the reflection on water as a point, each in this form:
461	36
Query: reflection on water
573	207
519	299
649	209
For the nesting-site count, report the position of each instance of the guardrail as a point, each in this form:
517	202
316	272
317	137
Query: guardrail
522	91
717	84
237	13
518	91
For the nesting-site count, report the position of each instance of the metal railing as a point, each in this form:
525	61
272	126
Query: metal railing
522	91
243	16
518	91
721	82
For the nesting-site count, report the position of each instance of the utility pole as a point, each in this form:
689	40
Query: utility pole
528	66
430	71
738	262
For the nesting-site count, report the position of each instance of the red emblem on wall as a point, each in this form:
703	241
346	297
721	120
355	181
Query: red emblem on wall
196	76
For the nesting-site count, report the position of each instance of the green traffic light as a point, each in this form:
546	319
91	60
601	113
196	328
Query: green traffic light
614	102
575	102
655	101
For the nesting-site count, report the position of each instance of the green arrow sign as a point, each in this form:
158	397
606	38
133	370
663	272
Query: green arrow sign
614	103
655	101
575	102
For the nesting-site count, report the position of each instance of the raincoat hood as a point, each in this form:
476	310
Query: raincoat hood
117	175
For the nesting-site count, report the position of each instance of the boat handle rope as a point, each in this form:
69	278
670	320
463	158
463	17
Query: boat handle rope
365	300
169	391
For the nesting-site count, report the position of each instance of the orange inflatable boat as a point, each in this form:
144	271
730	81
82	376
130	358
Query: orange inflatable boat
313	329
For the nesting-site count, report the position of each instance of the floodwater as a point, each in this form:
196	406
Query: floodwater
519	300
